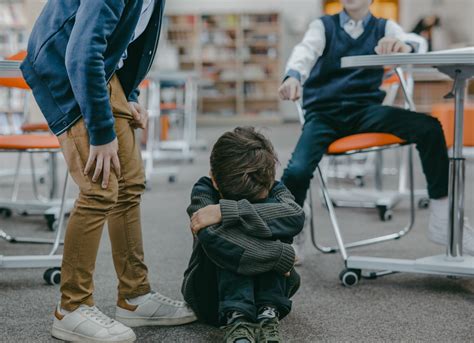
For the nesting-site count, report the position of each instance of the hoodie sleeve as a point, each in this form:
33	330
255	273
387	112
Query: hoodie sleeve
95	21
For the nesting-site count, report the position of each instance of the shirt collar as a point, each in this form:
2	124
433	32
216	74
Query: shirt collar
344	18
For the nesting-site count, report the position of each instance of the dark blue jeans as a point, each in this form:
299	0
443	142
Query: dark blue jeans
324	126
246	294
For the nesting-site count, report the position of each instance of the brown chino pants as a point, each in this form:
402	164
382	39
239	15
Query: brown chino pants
119	205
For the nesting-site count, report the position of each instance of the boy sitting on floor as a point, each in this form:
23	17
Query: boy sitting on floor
241	272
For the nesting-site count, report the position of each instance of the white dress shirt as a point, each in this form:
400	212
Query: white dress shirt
306	54
145	16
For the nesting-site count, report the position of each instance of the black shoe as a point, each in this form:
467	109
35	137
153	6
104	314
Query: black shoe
269	331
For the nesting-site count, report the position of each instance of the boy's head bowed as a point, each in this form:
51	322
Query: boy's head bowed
243	164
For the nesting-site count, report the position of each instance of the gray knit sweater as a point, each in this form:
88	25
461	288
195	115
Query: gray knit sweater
253	238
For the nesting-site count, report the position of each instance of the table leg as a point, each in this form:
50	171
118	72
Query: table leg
456	177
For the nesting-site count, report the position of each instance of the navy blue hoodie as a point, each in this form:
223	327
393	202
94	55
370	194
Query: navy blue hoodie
73	52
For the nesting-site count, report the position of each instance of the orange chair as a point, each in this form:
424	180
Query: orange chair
31	144
444	112
20	83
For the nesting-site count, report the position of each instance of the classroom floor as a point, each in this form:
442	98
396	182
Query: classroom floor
400	307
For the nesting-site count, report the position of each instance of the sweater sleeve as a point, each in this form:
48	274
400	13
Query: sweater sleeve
279	217
230	248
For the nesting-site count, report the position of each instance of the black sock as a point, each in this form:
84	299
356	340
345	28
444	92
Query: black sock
267	312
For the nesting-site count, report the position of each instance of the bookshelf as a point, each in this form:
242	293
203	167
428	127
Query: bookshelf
238	54
13	27
13	38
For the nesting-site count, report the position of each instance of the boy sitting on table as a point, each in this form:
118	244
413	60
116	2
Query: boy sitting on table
341	102
241	274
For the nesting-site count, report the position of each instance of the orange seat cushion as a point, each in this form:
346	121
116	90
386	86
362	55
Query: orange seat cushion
27	142
35	127
13	82
444	112
363	141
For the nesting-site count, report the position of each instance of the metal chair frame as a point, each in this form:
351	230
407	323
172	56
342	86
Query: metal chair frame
51	260
341	246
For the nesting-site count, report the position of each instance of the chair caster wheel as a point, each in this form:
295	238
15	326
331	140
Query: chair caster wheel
423	203
52	276
385	214
350	277
359	181
51	221
6	212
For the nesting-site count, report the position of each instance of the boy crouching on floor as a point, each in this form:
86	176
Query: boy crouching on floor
241	273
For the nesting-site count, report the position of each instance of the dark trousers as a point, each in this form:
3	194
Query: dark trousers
324	126
246	294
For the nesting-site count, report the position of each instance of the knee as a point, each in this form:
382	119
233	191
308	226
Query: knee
298	171
98	198
432	130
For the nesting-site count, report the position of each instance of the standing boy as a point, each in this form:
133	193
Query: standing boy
85	62
340	102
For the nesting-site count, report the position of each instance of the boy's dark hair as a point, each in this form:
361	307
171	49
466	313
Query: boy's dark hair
243	164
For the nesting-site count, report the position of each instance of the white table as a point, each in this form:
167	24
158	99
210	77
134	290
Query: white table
10	68
459	65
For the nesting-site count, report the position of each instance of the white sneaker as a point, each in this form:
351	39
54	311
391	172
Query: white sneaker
300	239
88	324
156	309
438	227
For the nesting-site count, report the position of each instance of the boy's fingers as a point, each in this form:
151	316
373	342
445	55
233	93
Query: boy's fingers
398	46
293	92
298	92
106	173
98	168
391	47
281	93
135	113
116	165
89	163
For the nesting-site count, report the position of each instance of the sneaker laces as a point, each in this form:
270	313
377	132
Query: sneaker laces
163	299
239	329
95	314
270	329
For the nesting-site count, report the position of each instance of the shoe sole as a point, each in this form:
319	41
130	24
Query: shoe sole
133	322
69	336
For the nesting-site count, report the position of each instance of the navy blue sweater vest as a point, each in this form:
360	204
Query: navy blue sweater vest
328	84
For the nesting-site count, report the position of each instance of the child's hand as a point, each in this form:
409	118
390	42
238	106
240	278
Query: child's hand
140	115
390	45
205	217
290	89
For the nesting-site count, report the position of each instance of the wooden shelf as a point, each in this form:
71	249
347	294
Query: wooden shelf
214	35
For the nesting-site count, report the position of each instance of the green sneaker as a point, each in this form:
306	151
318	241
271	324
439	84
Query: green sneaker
240	332
269	331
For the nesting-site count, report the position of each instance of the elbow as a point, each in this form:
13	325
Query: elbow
299	223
